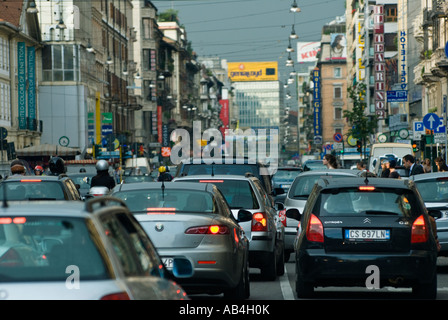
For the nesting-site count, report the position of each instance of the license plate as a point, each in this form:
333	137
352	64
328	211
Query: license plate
168	262
285	186
362	234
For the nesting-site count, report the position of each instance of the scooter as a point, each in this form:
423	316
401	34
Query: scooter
97	192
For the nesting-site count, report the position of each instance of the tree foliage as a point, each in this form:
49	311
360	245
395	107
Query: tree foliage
361	125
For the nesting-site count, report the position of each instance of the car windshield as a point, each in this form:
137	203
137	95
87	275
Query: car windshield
155	201
302	186
434	190
32	189
314	165
134	179
83	181
34	248
285	174
355	202
238	193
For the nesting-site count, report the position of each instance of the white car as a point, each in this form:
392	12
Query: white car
56	250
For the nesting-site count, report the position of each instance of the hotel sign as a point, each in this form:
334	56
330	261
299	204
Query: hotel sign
379	62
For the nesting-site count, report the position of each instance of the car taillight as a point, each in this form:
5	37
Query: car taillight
419	231
11	259
282	217
116	296
214	229
259	222
315	230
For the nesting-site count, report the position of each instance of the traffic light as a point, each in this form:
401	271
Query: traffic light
415	147
359	146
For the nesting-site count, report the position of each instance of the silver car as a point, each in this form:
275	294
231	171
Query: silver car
264	230
433	188
298	195
194	221
54	250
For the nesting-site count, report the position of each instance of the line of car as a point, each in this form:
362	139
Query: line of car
202	232
184	236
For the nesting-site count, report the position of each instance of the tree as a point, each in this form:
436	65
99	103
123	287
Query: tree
361	125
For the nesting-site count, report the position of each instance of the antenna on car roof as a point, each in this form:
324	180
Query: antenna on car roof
163	190
213	170
5	204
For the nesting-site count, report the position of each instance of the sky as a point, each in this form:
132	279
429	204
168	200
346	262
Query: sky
251	30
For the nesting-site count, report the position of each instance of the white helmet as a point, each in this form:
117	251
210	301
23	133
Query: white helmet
102	165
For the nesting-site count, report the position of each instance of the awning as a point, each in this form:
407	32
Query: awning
47	150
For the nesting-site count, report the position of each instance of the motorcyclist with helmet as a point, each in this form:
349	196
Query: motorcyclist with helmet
57	166
38	170
164	174
102	179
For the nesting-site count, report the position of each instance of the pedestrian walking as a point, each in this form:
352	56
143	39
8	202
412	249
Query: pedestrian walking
393	172
409	163
330	161
441	165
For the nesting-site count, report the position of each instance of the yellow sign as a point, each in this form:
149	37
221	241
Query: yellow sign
253	71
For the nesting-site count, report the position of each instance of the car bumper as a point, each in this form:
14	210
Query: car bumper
350	269
213	270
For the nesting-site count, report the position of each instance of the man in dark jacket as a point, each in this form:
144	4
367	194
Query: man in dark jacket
164	174
102	178
409	163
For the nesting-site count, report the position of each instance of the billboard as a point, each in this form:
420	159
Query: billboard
253	71
307	51
338	46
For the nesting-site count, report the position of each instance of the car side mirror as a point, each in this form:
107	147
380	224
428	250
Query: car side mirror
436	214
244	215
277	191
279	206
293	214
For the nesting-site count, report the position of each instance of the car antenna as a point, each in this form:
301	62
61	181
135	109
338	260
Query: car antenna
5	203
163	190
213	170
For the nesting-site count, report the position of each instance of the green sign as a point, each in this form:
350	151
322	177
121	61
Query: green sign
107	117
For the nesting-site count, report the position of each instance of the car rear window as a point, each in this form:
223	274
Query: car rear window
434	190
32	189
285	174
41	248
356	202
169	201
302	186
238	193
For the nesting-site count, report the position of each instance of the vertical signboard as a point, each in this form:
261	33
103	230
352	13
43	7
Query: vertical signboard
21	81
360	68
31	84
224	115
379	62
316	102
159	124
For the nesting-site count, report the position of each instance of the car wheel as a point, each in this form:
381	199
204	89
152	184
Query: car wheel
281	260
241	291
427	291
287	255
269	270
303	289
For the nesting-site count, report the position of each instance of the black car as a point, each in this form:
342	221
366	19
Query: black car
235	166
351	224
19	188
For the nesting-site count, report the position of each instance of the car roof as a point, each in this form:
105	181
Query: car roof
223	160
215	177
168	185
328	172
43	178
357	181
45	208
430	175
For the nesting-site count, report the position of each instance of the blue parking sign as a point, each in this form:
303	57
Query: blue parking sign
418	126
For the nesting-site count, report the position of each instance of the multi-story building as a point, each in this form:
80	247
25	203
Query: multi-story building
20	65
332	84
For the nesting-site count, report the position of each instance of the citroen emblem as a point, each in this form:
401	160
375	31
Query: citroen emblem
367	220
159	227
